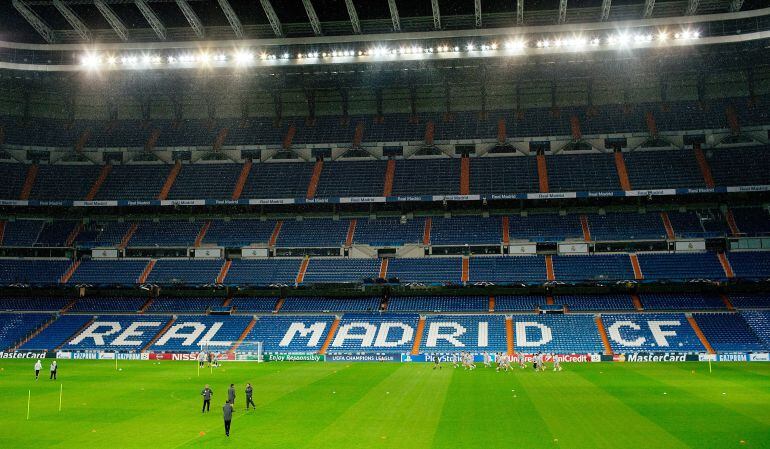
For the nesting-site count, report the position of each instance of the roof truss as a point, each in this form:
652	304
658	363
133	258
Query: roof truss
275	23
42	28
151	18
353	16
394	15
606	5
312	17
73	19
192	18
232	17
436	14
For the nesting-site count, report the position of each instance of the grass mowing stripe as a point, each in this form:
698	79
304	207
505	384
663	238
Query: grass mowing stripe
485	407
570	404
401	411
680	411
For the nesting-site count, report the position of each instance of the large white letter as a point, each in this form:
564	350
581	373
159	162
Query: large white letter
366	338
131	331
615	333
434	334
299	328
521	334
483	334
98	337
382	336
659	334
189	338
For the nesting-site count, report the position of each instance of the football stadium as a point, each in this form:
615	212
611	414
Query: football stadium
385	223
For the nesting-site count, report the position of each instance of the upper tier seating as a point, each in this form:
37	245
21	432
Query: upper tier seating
15	326
177	337
680	301
185	271
374	333
114	327
455	333
263	272
134	182
577	303
205	181
313	233
752	220
359	178
582	172
57	333
328	304
64	182
739	166
389	231
102	234
32	271
651	169
728	332
341	270
503	175
22	232
427	177
651	332
108	305
749	301
465	230
627	226
274	333
55	233
426	270
545	227
235	233
519	303
183	305
506	270
759	322
166	233
13	176
610	267
23	304
253	305
278	180
438	304
750	264
688	225
677	267
121	271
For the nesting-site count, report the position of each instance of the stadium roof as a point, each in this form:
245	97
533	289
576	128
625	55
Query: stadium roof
96	21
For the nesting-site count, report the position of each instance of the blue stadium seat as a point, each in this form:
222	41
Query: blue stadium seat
374	333
728	332
657	332
58	333
438	304
291	334
16	326
330	304
456	333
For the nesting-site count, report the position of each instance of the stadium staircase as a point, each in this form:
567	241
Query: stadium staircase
105	171
70	271
146	305
491	304
549	300
638	275
228	300
574	125
603	334
466	270
127	238
509	335
242	178
276	232
426	231
289	137
302	270
152	140
732	120
85	136
330	336
29	182
313	184
586	228
351	233
551	276
620	165
728	304
430	131
219	141
501	131
699	333
68	306
667	224
72	235
358	136
542	173
163	195
465	175
158	335
652	126
418	336
279	304
223	271
726	265
506	231
384	268
703	164
637	302
32	335
2	231
243	334
146	272
202	233
390	174
732	224
77	332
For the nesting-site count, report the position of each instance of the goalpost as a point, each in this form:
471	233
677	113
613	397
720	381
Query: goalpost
249	351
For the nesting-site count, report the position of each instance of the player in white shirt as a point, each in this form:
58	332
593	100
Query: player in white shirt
38	367
556	363
487	360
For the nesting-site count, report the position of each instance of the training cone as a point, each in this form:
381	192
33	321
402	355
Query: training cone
202	433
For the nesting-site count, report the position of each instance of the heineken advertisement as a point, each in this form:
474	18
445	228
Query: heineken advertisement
294	358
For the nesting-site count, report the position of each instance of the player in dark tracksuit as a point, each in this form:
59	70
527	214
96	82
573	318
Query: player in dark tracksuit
206	393
249	393
227	414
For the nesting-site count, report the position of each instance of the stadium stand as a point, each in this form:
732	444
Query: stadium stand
330	304
507	270
263	272
289	333
196	181
518	303
242	304
183	305
238	233
680	301
739	166
121	271
438	304
437	270
388	231
617	226
313	233
472	332
545	227
649	170
32	271
465	230
22	232
278	180
185	271
755	301
576	268
16	326
427	177
64	182
582	173
134	182
58	333
680	267
13	176
492	175
320	270
36	304
594	303
561	334
651	332
377	333
752	221
107	333
359	178
759	322
108	305
728	332
102	234
218	333
750	264
165	233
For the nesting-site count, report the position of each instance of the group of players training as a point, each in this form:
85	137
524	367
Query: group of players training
502	360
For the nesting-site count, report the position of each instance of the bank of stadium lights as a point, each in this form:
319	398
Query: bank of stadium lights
245	57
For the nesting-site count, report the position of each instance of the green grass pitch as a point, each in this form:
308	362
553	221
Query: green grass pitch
388	405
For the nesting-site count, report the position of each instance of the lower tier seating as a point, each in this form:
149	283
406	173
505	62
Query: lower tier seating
16	326
728	332
58	333
651	332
